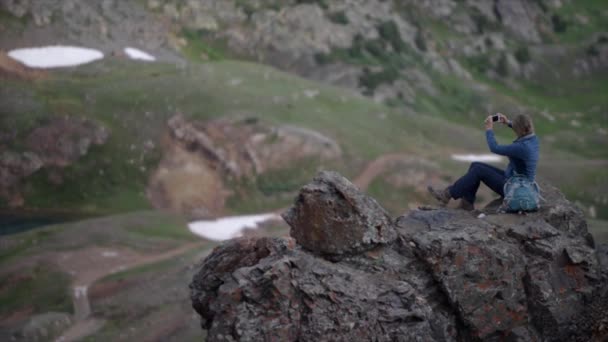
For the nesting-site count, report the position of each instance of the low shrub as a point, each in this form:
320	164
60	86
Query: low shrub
339	18
420	41
322	3
389	31
502	68
522	55
560	25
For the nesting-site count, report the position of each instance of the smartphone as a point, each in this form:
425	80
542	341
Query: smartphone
494	118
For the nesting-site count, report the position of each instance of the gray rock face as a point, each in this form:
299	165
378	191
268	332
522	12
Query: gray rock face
440	275
519	17
107	25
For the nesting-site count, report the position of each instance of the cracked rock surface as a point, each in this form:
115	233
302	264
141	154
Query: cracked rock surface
439	275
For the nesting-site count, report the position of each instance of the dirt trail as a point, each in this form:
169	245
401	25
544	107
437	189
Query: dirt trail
376	167
86	268
372	170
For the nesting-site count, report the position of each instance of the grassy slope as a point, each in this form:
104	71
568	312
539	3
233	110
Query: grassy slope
593	11
134	100
146	231
39	288
153	300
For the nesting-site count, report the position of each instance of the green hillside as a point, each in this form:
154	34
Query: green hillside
134	100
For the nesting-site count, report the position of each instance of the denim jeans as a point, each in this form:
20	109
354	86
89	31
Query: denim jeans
466	187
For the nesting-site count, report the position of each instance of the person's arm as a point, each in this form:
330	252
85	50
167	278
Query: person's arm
512	150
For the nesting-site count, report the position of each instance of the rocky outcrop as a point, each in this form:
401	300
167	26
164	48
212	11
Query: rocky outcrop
350	273
244	146
200	156
56	144
63	140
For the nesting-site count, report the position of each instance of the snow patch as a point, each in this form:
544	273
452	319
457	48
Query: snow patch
235	82
80	291
592	212
547	115
488	158
56	56
137	54
109	254
311	93
228	227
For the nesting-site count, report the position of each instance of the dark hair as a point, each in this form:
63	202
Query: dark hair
522	125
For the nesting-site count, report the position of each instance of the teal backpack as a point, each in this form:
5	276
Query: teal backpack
521	195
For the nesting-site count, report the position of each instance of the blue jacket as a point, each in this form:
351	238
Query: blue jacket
523	154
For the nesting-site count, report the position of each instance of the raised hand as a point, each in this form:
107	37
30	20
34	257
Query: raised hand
489	122
502	118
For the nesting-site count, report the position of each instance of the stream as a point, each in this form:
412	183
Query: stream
13	222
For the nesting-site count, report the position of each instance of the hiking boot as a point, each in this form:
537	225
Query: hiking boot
466	205
443	196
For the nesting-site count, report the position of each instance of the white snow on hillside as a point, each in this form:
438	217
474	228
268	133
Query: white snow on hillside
228	227
57	56
488	158
134	53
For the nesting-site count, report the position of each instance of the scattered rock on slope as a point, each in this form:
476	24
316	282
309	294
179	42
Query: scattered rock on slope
441	275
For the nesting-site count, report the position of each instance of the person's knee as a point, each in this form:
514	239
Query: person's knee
475	166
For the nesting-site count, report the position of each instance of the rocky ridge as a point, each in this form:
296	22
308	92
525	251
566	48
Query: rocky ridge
312	38
350	272
355	44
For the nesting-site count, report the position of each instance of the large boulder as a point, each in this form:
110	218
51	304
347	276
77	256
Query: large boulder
437	275
332	217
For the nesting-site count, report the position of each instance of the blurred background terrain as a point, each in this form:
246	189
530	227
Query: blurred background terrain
244	102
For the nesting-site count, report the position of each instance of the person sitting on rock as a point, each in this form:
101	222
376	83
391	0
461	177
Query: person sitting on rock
523	158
